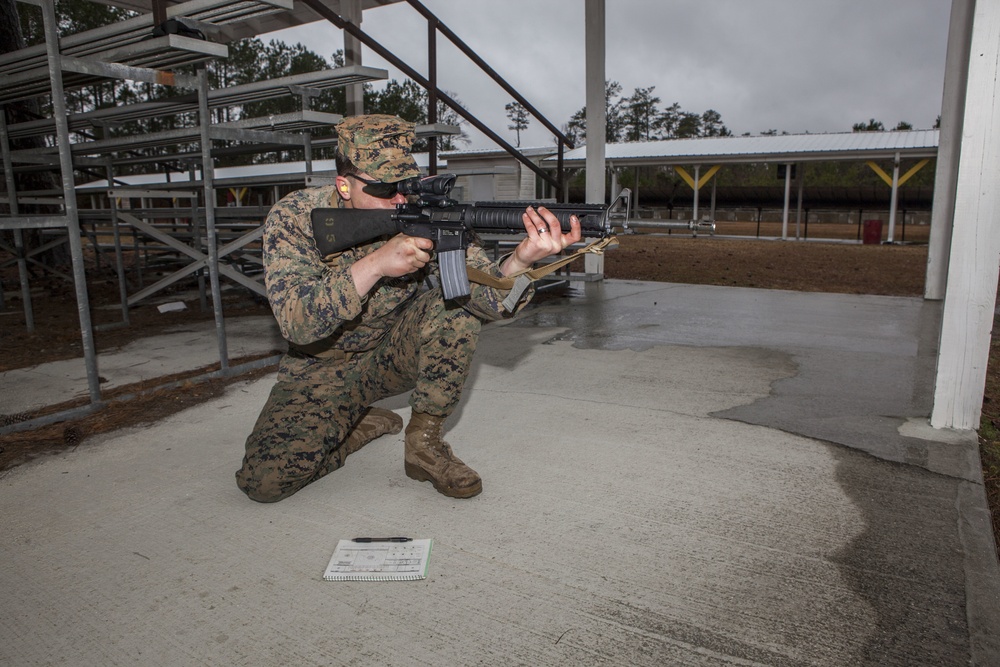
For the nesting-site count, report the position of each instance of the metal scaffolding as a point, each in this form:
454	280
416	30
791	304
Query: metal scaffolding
192	237
125	51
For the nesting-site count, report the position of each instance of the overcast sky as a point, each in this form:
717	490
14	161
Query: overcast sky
788	65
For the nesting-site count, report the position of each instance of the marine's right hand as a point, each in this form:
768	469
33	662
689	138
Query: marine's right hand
401	255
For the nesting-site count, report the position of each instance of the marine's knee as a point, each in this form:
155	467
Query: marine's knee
269	474
255	494
262	490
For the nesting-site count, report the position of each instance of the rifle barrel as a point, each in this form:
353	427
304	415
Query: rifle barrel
505	217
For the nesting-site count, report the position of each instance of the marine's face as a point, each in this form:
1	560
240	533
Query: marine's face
351	189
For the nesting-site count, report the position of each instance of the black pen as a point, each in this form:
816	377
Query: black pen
382	539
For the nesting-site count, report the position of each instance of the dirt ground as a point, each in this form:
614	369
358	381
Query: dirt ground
896	270
813	266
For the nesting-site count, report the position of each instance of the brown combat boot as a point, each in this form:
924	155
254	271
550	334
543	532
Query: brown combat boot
376	423
429	458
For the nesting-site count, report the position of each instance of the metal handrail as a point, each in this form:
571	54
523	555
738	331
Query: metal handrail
431	86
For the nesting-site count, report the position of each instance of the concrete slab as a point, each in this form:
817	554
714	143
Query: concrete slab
659	488
177	349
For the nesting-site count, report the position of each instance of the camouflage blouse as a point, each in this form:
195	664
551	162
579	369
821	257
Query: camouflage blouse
314	298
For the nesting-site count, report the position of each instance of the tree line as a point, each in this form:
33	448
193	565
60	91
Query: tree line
639	116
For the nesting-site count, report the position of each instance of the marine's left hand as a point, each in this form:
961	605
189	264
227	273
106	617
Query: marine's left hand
545	237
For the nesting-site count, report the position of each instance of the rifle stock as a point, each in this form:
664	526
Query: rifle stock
337	229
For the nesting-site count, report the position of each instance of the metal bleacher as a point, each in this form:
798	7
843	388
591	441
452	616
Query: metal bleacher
96	43
217	98
93	55
149	202
193	236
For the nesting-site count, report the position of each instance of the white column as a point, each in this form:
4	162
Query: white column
596	115
946	175
975	244
712	209
800	171
788	196
893	199
694	205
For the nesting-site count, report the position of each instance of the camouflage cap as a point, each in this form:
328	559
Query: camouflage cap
378	145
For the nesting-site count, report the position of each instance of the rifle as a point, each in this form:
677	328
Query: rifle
449	224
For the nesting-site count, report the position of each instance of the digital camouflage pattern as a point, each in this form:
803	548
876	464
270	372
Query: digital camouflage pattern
299	434
314	299
379	145
347	351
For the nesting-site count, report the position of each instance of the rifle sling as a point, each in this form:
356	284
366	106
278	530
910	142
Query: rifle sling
507	282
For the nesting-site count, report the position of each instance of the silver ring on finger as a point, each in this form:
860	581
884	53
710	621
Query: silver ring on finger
543	230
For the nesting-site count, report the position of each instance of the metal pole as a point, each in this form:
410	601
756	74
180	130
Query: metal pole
895	196
595	39
788	192
119	257
432	98
484	66
195	227
560	169
22	271
694	207
800	177
22	262
712	211
308	150
333	17
207	172
69	204
352	56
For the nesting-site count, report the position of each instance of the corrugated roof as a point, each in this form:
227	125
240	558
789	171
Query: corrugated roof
494	152
254	173
791	147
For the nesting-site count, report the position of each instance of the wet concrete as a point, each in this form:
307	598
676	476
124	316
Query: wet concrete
864	364
863	380
672	475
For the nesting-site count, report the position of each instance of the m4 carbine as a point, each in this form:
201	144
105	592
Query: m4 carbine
450	225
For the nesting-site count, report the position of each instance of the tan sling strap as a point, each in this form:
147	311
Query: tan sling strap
518	282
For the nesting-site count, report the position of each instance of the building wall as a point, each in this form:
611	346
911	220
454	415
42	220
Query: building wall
500	177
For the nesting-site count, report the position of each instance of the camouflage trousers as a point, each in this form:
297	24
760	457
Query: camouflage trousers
316	402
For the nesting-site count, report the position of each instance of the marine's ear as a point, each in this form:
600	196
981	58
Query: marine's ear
343	188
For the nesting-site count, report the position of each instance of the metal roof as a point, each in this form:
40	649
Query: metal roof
250	174
777	148
264	23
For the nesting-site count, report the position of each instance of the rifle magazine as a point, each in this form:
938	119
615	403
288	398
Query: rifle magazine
454	279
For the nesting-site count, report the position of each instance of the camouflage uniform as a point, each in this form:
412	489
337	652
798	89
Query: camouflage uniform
346	350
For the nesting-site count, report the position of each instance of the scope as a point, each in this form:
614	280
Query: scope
428	186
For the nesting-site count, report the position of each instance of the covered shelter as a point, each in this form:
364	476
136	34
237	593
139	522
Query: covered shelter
705	156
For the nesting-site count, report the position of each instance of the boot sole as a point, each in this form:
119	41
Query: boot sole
419	474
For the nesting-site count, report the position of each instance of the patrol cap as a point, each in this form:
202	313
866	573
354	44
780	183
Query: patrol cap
378	145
